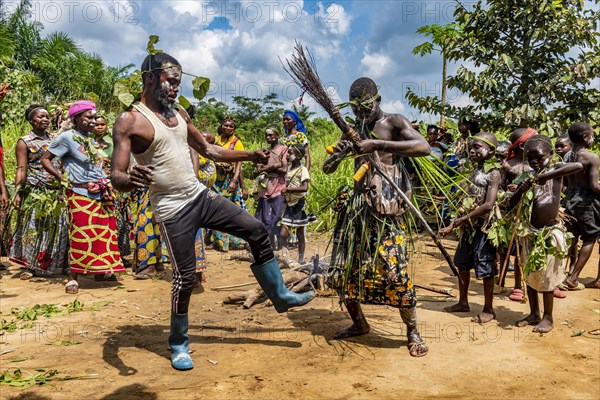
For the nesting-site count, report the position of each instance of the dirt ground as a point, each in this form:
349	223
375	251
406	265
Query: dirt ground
257	353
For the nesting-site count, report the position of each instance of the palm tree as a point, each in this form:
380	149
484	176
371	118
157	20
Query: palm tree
442	38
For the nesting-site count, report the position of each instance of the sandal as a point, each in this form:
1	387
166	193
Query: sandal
72	287
417	346
146	273
516	295
25	276
567	286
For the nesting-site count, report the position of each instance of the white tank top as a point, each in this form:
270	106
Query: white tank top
175	183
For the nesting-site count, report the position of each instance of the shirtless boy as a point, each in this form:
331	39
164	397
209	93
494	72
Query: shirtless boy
582	201
563	145
513	167
545	228
478	253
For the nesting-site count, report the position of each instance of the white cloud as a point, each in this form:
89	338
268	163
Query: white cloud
375	65
394	106
111	30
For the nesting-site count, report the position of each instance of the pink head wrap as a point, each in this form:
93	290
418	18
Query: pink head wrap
512	150
80	106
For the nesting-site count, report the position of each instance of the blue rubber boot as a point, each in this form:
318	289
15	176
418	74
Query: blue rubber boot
270	280
180	343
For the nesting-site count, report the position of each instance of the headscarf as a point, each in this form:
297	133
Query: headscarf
299	124
229	118
81	106
512	150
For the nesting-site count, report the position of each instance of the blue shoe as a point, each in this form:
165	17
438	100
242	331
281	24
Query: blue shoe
270	280
180	343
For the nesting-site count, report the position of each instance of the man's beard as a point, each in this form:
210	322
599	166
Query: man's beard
166	109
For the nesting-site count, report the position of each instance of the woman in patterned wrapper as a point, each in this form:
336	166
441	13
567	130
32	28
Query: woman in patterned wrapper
92	225
40	241
227	183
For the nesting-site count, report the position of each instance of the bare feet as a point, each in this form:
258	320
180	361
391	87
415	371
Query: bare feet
545	325
353	330
593	284
484	317
529	320
458	308
416	345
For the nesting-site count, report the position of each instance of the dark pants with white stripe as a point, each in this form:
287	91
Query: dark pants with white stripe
211	211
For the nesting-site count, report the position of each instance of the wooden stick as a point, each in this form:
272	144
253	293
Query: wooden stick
512	238
234	286
435	290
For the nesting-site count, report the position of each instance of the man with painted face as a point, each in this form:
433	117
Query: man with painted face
369	261
158	134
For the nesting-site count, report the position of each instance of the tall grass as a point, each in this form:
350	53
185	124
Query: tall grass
11	132
323	188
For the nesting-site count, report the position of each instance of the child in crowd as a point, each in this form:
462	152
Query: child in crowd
297	180
582	201
475	250
270	197
544	248
563	145
514	166
502	150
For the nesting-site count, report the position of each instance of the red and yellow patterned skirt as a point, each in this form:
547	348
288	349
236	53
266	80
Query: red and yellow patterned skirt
93	236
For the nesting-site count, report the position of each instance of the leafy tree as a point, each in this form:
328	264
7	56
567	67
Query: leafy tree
210	114
536	63
442	39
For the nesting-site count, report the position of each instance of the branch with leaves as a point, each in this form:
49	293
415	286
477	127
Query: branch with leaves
128	90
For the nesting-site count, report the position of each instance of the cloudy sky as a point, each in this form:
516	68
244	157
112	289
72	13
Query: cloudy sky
237	44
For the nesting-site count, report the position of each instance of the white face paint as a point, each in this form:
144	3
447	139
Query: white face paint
484	153
171	70
546	161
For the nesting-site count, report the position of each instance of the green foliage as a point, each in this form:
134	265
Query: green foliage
32	313
152	40
49	70
128	89
442	37
17	378
200	87
44	310
536	65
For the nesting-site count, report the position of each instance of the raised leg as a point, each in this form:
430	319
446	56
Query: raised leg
270	280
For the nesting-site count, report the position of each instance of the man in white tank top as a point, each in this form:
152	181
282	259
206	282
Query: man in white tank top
158	134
